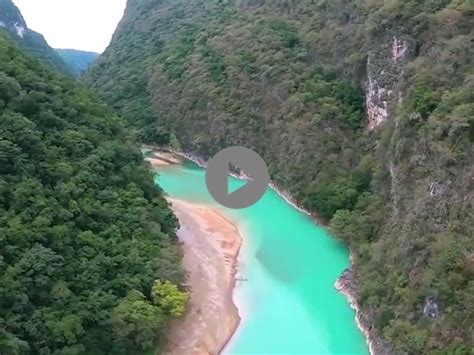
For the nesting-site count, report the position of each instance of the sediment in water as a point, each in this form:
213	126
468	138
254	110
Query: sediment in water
211	245
345	284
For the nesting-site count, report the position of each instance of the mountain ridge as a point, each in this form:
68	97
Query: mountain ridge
78	60
363	112
13	22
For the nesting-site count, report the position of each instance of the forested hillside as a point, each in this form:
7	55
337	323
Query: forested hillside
89	262
13	22
363	110
78	61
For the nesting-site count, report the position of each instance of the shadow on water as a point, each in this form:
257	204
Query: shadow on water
291	265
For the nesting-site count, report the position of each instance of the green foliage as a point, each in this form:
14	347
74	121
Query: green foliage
35	44
286	78
288	33
82	224
169	298
137	323
332	196
174	143
78	61
424	101
215	64
406	337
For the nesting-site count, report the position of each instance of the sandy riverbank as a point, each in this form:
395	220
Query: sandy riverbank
159	158
211	246
344	284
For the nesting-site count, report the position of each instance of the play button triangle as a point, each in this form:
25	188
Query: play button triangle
217	177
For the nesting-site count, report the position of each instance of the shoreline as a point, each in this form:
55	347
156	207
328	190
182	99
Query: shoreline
345	282
282	193
211	245
158	158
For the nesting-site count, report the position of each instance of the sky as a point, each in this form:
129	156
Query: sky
78	24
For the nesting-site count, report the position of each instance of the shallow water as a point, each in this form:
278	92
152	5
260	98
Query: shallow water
289	304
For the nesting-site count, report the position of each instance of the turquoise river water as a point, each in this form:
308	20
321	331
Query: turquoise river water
289	304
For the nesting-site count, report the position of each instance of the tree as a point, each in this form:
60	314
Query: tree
81	221
169	298
174	143
136	322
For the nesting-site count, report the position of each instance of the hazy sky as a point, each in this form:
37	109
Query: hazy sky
78	24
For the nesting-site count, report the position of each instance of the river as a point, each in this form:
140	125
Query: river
288	303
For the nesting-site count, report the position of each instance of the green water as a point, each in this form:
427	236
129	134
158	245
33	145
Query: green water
289	304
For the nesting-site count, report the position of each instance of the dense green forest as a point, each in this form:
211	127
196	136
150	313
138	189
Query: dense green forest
78	61
35	44
89	261
364	112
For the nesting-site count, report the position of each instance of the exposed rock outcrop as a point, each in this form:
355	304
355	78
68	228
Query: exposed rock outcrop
431	308
385	70
11	19
346	285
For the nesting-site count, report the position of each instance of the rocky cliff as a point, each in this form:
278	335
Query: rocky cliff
13	22
363	111
11	18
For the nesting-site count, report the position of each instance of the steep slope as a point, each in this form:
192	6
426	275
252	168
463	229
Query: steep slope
78	61
87	242
12	21
362	109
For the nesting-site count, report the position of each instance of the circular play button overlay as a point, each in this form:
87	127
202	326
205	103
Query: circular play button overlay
217	177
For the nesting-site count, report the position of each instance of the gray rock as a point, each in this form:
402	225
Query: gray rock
431	308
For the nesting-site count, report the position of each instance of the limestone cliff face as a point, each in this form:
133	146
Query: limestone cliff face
11	19
385	74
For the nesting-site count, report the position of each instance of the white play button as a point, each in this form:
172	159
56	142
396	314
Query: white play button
217	177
